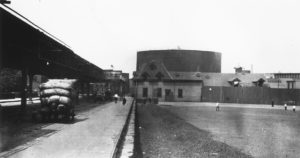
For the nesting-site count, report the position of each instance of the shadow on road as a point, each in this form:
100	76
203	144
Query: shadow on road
18	129
10	140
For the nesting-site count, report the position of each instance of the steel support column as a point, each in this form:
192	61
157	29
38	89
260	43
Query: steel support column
30	86
24	89
88	90
1	41
82	89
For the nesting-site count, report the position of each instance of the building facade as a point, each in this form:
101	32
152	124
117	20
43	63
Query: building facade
173	75
284	80
116	82
183	75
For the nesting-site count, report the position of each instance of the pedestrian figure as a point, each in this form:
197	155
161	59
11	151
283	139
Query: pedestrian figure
285	106
116	98
217	107
124	101
272	103
294	108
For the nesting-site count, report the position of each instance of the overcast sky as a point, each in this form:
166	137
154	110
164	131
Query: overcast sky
264	33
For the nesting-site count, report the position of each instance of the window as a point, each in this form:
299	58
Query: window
290	84
145	92
159	92
180	93
145	76
152	66
236	83
167	92
260	82
159	76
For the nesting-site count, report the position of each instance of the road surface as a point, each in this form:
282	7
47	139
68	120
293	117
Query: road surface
94	134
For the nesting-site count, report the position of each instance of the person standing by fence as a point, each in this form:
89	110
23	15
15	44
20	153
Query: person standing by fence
285	106
294	108
217	107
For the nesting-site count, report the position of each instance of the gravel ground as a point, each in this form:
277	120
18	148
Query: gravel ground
163	134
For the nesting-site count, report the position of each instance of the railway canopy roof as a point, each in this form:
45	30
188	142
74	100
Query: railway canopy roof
24	45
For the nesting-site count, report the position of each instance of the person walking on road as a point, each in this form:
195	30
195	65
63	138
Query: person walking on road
285	106
124	101
294	108
217	107
116	98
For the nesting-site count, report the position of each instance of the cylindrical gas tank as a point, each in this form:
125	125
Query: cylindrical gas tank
182	60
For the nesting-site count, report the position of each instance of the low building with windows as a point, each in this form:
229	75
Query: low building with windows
173	75
155	81
284	81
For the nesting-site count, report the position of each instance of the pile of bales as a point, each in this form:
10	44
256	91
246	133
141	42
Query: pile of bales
57	99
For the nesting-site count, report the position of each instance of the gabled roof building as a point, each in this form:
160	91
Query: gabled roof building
155	81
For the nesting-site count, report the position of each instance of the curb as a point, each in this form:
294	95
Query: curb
122	139
128	145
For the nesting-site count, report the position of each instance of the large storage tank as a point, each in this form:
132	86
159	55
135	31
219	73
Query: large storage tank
182	60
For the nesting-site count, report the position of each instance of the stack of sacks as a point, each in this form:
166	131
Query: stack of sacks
57	93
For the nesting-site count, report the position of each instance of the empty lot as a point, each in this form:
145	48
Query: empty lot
258	130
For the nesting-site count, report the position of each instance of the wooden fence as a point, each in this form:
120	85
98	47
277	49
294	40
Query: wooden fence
249	95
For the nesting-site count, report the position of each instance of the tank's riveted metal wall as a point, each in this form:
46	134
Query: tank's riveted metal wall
182	60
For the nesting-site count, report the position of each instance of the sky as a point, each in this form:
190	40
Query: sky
261	33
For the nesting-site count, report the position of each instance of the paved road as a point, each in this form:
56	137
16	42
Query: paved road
94	135
258	130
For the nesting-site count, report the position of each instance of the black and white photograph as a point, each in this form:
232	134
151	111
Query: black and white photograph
149	79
